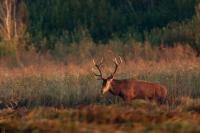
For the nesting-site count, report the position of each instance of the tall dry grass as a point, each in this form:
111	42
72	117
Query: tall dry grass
67	79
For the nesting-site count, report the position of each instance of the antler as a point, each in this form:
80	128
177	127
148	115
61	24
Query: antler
116	65
98	66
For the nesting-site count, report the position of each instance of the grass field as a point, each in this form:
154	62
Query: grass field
67	85
57	97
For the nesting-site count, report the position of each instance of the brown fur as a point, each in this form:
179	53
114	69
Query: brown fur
129	89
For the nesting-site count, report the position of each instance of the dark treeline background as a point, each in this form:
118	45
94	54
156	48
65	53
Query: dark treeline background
156	21
104	19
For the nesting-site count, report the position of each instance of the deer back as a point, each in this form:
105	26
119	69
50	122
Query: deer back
130	89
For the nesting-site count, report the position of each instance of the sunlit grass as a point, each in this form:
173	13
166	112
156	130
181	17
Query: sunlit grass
66	85
53	96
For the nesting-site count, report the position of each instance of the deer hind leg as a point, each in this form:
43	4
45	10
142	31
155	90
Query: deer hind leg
152	100
128	100
149	99
161	100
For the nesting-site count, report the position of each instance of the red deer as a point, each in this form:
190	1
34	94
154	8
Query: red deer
129	89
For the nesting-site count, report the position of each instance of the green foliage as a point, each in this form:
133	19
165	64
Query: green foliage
184	33
54	22
7	49
103	19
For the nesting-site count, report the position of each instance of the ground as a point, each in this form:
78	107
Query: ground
139	116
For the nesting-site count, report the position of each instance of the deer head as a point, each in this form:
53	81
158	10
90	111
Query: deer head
107	82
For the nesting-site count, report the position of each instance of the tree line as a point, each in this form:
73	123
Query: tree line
156	21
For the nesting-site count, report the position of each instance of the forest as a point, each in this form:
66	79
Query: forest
159	22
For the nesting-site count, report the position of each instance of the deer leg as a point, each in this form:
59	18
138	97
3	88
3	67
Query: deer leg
127	100
148	99
160	100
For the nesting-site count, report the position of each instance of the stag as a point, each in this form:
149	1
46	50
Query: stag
130	89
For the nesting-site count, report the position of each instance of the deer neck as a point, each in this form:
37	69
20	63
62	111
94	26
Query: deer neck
114	89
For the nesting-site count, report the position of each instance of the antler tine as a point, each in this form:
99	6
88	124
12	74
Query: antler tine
116	65
93	62
115	61
94	72
120	59
98	66
98	75
101	60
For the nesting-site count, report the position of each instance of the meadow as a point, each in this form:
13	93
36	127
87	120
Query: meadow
61	94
